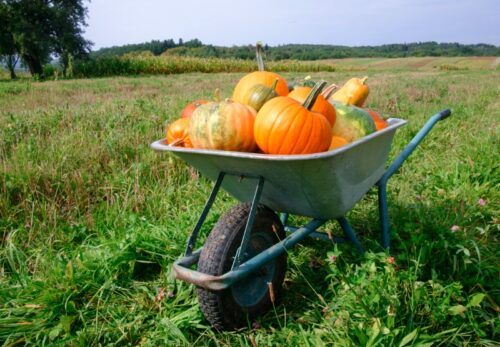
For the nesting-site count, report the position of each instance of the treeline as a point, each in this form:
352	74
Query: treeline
195	48
156	47
420	49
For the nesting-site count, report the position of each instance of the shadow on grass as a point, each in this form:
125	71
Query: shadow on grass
422	242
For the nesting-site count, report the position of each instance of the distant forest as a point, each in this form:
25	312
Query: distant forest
195	48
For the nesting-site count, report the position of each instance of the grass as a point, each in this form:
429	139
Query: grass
91	220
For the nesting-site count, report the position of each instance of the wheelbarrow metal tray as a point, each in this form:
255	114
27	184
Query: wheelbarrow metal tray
321	185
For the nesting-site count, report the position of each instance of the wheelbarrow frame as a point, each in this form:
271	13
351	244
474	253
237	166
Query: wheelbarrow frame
183	267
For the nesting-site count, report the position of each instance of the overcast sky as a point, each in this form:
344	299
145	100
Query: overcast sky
346	22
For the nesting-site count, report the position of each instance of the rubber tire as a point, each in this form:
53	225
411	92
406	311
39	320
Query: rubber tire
220	307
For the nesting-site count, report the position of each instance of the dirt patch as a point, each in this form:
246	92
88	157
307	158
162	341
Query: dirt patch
422	62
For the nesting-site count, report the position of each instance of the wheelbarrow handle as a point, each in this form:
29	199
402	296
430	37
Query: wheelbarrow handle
444	114
396	164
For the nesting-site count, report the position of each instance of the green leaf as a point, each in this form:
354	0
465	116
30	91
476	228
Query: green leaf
362	338
457	310
375	331
476	300
54	333
66	322
408	338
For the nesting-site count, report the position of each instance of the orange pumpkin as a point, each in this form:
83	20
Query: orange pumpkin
189	109
380	123
321	105
284	126
265	78
224	125
178	133
337	141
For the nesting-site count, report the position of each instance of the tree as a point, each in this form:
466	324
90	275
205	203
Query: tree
68	17
43	28
8	48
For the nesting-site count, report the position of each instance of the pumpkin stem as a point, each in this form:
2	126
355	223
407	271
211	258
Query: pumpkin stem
259	51
217	95
328	91
177	142
313	95
275	83
363	80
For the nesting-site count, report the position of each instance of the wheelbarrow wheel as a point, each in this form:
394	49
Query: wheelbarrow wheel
237	305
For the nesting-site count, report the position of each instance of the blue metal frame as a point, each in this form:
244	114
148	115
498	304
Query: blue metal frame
183	271
248	227
194	234
396	164
240	270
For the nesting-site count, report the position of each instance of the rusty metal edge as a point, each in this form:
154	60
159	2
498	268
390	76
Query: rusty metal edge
184	273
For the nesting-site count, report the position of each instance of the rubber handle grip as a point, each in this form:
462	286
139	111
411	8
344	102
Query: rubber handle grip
444	114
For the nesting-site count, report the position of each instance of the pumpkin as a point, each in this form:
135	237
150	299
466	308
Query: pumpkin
285	126
263	77
337	141
189	109
380	123
354	92
321	105
259	94
224	125
178	133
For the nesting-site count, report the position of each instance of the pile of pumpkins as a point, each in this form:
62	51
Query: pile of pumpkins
266	115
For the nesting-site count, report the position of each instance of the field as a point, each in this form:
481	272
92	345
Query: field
416	63
91	220
143	63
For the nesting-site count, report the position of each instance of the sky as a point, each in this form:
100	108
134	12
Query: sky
347	22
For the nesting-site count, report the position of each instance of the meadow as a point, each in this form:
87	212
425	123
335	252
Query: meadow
91	220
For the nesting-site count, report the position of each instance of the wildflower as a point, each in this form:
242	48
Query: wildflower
391	260
455	228
160	294
255	325
333	258
481	202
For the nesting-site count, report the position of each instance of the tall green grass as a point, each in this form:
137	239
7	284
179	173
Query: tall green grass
91	220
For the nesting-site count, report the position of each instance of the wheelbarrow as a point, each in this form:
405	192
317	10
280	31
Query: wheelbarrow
241	266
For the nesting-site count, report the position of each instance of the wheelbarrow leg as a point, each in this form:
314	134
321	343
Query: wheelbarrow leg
349	233
384	215
194	234
248	227
284	218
